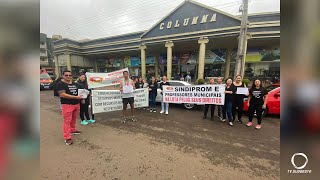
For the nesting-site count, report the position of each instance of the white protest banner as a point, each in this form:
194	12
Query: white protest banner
111	100
242	90
202	94
96	80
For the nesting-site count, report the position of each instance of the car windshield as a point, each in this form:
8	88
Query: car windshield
44	76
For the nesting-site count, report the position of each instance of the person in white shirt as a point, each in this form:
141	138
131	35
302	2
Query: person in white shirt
126	87
163	104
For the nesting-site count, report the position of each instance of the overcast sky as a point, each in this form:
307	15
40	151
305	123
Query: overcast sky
91	19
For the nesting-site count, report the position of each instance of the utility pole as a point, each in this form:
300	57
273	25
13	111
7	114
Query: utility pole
242	41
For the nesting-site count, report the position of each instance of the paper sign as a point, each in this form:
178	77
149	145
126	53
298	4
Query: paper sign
242	90
127	89
82	93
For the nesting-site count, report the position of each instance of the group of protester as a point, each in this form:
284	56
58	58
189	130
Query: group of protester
72	104
257	99
128	97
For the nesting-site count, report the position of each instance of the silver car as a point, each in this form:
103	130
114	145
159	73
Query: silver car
174	83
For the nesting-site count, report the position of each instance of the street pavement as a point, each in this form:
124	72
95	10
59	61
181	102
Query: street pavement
180	145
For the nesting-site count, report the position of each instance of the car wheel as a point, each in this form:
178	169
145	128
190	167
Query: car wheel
188	106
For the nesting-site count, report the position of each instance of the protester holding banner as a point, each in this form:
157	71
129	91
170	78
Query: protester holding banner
70	100
145	84
84	104
140	83
153	86
220	107
206	106
126	87
164	83
257	102
238	99
229	95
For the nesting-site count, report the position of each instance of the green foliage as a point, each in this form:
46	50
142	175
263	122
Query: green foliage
201	81
246	81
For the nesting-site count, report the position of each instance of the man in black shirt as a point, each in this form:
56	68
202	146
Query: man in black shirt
70	102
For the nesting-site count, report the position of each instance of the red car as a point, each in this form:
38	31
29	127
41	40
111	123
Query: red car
273	102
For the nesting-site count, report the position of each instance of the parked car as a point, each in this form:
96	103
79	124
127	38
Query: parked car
273	101
175	83
45	81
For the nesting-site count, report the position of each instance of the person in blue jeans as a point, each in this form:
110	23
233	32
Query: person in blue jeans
228	100
153	86
164	83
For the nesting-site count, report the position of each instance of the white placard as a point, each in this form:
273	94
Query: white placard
83	93
242	90
127	89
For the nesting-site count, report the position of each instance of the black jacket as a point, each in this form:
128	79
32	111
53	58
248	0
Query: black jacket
53	86
153	87
164	84
83	85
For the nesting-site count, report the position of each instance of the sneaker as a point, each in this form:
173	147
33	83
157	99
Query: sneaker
249	124
240	121
230	123
223	120
154	110
68	142
124	120
84	122
258	126
91	121
148	109
161	112
151	110
76	133
167	113
134	119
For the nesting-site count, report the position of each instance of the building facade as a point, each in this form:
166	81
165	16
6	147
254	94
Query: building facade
46	53
193	39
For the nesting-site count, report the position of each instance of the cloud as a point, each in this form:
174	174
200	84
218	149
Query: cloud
100	18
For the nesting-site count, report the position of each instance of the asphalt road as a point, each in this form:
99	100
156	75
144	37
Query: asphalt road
180	145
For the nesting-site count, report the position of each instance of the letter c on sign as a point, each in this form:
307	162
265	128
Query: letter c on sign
161	26
300	154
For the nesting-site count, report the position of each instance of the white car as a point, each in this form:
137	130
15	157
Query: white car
174	83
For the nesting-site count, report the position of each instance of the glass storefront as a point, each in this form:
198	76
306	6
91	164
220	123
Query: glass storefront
262	63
